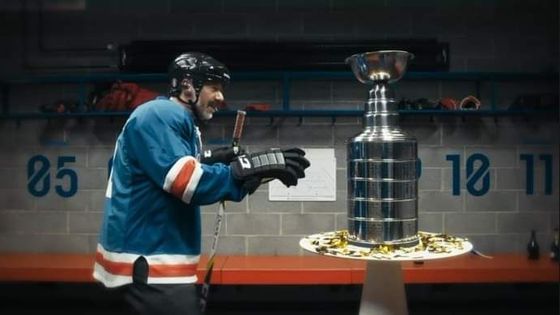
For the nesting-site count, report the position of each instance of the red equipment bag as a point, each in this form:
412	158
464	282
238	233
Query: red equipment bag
125	96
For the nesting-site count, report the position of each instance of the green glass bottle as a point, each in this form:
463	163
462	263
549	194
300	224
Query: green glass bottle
533	246
555	247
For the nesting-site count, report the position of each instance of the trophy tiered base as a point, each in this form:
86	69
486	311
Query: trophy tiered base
383	291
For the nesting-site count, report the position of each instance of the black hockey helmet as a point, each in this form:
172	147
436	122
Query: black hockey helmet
198	67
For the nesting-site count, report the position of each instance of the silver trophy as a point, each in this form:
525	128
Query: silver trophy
382	159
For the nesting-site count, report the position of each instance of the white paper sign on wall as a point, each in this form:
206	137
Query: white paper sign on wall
319	183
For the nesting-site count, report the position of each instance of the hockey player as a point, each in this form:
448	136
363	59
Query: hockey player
150	239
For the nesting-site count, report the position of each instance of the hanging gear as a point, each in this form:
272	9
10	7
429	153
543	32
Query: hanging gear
470	102
447	103
124	96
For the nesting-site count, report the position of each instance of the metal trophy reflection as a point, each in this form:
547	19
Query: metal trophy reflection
382	159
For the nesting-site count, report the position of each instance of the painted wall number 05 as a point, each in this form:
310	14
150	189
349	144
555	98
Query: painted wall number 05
39	176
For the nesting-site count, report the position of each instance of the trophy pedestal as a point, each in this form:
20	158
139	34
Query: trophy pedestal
383	291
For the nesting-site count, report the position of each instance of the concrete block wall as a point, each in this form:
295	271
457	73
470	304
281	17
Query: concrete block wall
504	36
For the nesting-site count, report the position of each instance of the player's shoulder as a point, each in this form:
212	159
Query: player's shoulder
160	105
162	110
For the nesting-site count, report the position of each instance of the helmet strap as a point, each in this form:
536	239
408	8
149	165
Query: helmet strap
190	106
186	84
190	103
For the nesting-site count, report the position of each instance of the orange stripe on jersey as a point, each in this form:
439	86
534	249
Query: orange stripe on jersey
115	268
125	269
182	180
182	270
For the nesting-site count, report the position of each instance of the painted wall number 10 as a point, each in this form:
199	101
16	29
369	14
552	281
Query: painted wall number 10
480	175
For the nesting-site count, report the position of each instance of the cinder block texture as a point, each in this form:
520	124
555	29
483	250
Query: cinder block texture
432	201
475	223
430	221
253	224
33	222
492	201
46	243
266	245
227	245
302	224
16	199
88	223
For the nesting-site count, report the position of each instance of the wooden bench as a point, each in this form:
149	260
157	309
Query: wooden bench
296	270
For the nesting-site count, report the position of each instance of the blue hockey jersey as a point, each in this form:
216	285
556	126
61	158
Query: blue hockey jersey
153	196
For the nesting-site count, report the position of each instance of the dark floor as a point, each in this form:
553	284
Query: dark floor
483	299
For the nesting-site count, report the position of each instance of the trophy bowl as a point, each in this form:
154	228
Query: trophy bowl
379	66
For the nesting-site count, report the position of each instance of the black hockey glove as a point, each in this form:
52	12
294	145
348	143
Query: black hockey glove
256	168
221	155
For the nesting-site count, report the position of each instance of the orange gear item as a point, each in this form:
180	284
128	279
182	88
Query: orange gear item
470	102
125	96
448	103
259	107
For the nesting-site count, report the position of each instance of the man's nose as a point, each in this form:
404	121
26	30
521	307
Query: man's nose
219	96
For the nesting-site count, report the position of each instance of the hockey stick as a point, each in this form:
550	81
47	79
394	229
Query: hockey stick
237	130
